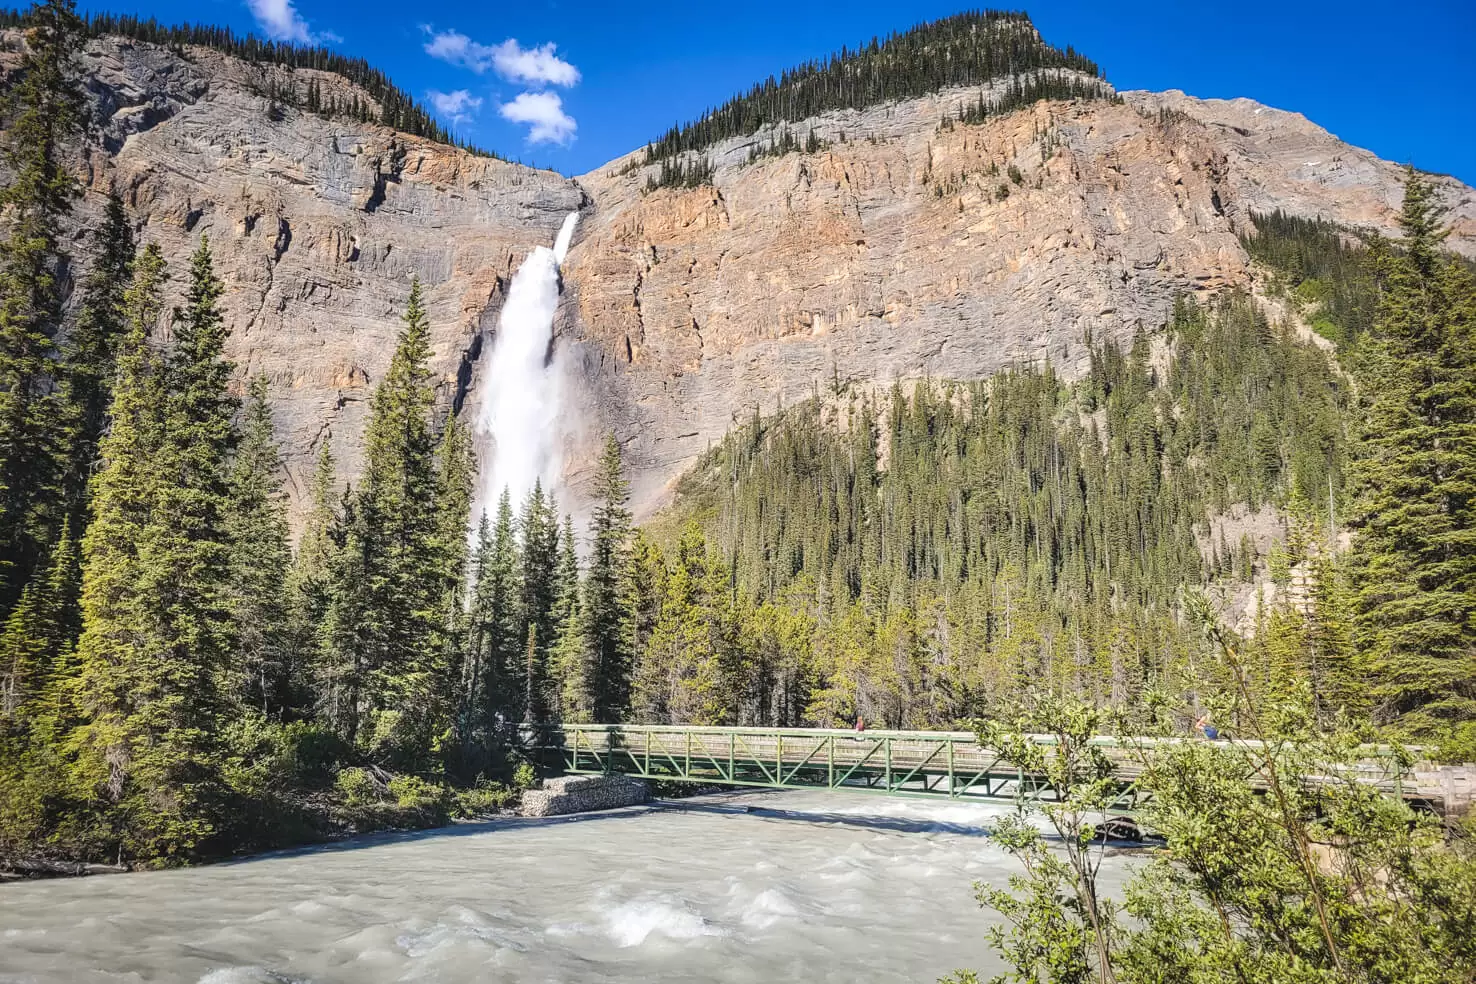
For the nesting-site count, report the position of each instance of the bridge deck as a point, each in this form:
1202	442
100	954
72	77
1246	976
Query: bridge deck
946	763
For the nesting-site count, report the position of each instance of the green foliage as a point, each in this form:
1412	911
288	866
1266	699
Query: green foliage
1414	468
1028	89
155	630
608	593
369	801
963	49
260	557
538	552
390	591
492	667
1302	872
309	586
784	143
356	786
1021	530
483	800
43	111
390	106
1323	268
91	353
680	172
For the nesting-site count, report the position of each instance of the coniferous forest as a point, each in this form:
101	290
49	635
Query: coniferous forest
391	106
180	678
964	49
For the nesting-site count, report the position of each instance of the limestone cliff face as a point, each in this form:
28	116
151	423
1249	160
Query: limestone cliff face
915	248
906	247
317	227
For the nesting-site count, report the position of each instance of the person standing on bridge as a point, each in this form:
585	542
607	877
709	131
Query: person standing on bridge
860	723
1204	727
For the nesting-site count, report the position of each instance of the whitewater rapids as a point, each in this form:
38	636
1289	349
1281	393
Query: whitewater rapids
760	887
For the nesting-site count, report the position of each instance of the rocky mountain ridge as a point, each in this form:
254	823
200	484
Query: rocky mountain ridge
912	246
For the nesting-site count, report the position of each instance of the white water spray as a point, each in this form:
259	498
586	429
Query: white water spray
517	424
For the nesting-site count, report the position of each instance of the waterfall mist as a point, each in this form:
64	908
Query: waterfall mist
518	437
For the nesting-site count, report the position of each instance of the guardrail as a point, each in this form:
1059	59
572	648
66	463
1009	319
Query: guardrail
935	763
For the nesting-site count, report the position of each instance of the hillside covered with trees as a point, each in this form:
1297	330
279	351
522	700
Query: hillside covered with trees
964	49
178	680
391	106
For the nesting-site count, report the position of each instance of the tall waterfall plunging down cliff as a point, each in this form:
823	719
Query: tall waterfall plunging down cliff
518	430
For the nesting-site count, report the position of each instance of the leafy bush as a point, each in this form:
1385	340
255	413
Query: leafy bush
413	791
357	787
1308	874
524	776
484	799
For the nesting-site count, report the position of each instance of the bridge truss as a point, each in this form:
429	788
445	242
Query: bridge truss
936	763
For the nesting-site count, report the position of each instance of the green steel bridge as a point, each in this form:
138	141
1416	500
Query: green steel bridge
930	763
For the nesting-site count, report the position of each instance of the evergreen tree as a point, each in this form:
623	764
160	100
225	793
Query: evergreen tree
472	713
494	663
572	661
347	636
538	528
92	348
264	673
398	531
37	675
455	475
45	111
686	674
152	650
608	599
40	629
1414	559
309	579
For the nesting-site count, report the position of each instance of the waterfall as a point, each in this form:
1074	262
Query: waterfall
517	432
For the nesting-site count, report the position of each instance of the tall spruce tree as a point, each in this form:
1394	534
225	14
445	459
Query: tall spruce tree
155	630
347	637
608	610
308	580
456	469
570	657
37	673
471	709
264	674
399	539
1414	559
538	529
40	629
45	111
91	350
494	645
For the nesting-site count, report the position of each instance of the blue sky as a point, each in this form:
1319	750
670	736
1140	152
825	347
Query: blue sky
571	84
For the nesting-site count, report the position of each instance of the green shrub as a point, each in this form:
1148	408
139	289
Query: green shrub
413	791
357	787
310	752
484	799
524	776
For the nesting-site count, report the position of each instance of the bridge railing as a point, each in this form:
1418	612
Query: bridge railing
950	763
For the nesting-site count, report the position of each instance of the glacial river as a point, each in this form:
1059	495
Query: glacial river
764	887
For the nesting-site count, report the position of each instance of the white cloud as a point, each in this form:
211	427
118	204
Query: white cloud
458	49
532	66
544	114
458	106
280	21
535	66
